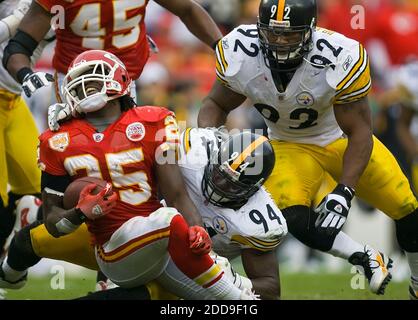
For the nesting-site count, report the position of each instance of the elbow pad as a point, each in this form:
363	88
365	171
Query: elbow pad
22	43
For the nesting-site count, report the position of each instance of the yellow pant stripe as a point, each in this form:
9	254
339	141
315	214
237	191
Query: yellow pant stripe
211	274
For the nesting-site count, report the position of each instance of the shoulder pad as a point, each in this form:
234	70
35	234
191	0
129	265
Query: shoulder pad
349	71
150	113
233	53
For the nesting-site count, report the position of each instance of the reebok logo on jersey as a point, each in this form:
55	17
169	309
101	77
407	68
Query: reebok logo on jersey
347	63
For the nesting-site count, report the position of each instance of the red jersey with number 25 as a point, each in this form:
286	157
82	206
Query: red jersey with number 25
124	154
116	26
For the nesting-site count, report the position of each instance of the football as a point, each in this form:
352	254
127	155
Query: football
72	193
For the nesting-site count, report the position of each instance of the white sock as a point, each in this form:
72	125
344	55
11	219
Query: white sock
344	246
223	289
413	265
11	274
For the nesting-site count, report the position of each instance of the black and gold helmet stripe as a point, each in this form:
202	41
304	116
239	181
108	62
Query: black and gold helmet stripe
247	152
186	140
280	10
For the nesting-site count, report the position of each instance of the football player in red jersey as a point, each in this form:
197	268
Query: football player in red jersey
114	26
133	148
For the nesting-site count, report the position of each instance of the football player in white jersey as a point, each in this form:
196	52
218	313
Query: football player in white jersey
310	85
17	165
224	182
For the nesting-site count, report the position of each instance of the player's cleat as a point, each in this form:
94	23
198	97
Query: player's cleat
26	211
413	289
413	294
105	285
248	294
6	284
375	266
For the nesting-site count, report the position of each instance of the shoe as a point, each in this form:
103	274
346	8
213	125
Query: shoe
26	211
6	284
375	266
413	289
247	294
105	285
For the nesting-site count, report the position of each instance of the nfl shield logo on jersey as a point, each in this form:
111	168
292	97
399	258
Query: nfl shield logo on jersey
97	137
305	99
59	142
135	131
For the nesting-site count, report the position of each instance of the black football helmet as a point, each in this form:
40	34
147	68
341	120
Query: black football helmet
237	170
285	30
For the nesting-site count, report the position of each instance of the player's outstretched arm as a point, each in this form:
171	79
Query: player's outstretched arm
263	270
32	29
217	104
196	19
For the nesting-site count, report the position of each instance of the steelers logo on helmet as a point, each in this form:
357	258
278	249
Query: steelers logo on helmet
94	78
285	29
237	170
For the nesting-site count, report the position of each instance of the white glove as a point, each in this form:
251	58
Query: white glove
238	280
34	81
9	24
56	113
333	210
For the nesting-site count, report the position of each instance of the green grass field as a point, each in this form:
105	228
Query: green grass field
294	287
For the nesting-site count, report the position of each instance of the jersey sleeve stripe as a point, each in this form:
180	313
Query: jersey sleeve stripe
247	152
361	72
219	68
265	243
220	50
358	94
250	242
353	71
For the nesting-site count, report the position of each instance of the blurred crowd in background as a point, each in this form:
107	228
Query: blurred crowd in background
180	75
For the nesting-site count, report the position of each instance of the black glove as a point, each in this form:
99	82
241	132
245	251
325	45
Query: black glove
333	209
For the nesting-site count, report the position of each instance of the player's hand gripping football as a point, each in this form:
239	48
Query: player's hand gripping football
199	240
56	113
94	206
333	209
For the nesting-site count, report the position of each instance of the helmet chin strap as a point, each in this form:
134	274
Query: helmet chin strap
92	103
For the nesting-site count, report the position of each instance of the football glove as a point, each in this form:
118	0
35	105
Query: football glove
333	210
199	240
34	81
94	206
56	113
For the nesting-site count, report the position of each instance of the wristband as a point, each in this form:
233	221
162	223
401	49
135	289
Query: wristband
22	73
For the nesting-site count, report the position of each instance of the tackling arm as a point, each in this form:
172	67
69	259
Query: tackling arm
173	190
355	121
263	270
216	106
196	19
21	46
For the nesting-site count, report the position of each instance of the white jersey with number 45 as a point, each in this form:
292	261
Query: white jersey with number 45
259	224
335	72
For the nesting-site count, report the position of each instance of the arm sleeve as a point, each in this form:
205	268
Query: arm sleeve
354	81
48	159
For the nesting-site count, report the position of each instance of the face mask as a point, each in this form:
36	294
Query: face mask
92	103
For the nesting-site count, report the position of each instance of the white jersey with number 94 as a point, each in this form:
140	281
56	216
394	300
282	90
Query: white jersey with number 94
259	224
